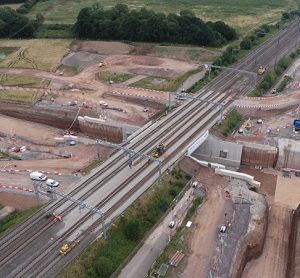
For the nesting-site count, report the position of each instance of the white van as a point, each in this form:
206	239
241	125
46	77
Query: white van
38	176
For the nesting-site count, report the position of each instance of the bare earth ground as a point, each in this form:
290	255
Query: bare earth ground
265	132
40	136
104	48
272	262
84	156
267	178
201	239
117	59
288	191
18	201
83	87
154	66
38	133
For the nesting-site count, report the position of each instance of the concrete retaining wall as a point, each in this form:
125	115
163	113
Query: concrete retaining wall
259	155
249	179
49	115
101	130
217	151
289	154
105	129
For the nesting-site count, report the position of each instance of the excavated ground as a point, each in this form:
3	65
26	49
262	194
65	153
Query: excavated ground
211	253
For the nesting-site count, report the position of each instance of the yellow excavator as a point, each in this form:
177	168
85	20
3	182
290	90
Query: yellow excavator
261	70
67	247
159	150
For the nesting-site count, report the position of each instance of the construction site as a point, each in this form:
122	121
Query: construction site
52	114
85	94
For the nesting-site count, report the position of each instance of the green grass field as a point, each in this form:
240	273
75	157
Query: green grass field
243	14
116	77
22	97
23	80
14	218
164	84
43	54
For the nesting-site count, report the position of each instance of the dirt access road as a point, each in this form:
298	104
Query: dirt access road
272	262
201	238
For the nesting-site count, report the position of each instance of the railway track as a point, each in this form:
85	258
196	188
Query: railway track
221	84
54	247
8	253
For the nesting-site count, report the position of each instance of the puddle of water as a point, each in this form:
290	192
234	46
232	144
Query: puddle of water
3	55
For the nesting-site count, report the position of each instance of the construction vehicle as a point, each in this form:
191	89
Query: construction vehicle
67	247
159	150
261	70
297	124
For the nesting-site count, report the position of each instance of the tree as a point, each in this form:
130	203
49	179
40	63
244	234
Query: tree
15	25
285	16
145	25
226	31
246	43
39	18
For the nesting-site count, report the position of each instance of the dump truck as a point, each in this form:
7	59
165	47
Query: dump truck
261	70
67	247
159	150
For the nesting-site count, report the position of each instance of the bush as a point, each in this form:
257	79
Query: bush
267	82
193	208
246	43
283	84
27	6
104	267
102	258
232	122
173	192
271	77
132	230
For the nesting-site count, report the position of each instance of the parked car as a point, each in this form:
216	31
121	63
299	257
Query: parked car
52	182
145	109
72	143
38	176
103	103
172	224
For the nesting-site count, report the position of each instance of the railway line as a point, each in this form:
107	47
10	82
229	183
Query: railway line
107	199
10	252
185	123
